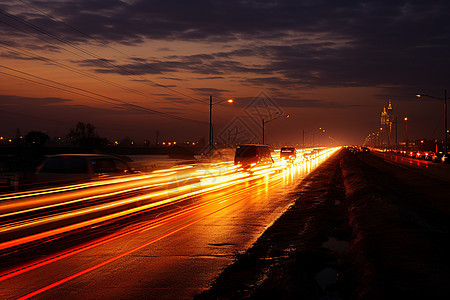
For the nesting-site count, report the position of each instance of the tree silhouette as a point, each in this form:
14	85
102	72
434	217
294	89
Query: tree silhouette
84	135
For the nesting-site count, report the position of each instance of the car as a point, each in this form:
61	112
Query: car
252	154
445	159
74	168
437	157
288	153
365	149
427	155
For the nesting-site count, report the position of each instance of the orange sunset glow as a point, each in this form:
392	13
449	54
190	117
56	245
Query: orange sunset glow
131	76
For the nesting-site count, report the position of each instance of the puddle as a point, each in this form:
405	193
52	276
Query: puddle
336	245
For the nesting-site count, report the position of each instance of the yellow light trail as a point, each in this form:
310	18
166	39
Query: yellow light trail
207	179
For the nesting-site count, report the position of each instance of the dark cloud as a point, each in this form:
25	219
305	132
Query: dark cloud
320	43
209	91
282	46
19	56
210	77
179	100
297	102
11	100
45	105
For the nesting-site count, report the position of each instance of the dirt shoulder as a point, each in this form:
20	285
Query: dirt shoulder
356	230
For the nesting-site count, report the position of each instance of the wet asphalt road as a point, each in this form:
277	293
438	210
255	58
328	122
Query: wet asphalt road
171	254
438	171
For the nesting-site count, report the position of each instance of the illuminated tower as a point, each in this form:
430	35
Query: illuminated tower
390	115
384	122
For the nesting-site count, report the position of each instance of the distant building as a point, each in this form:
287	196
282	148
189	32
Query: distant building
387	118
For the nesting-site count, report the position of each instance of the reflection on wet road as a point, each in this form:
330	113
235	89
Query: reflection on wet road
437	171
94	238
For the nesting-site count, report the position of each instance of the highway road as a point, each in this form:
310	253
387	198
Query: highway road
161	235
431	169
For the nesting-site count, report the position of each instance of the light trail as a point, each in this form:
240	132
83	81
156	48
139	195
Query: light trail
213	179
216	177
141	227
55	284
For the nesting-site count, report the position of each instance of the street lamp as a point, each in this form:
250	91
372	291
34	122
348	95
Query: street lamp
445	114
211	138
406	132
264	122
309	130
381	137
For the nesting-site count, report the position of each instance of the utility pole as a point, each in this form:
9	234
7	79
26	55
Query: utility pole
445	118
396	137
210	127
263	131
303	138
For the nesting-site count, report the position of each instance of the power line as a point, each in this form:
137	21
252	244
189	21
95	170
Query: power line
32	55
109	100
69	68
100	59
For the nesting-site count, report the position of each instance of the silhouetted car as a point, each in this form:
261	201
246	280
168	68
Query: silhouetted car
411	154
288	153
445	159
427	155
72	168
365	149
437	157
248	155
353	149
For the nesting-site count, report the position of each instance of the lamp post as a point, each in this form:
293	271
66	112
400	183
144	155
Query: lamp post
264	122
381	137
406	132
309	130
445	114
211	137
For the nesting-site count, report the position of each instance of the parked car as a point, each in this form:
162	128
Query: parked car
71	168
288	153
248	155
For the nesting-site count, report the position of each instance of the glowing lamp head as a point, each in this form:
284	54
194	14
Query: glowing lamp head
418	95
230	100
406	119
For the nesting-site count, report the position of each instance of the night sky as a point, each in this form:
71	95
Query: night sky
134	67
